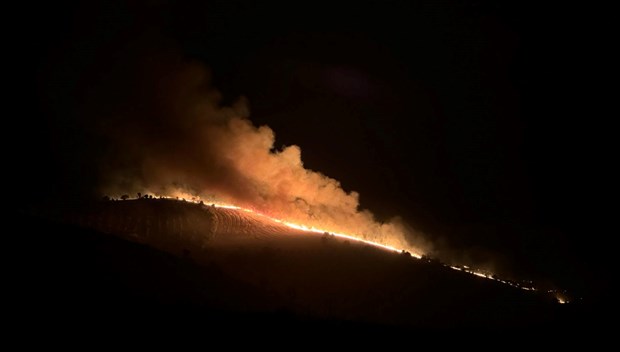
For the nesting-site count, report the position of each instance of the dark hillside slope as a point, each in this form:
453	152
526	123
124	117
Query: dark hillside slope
276	278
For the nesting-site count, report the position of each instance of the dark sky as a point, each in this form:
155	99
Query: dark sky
472	120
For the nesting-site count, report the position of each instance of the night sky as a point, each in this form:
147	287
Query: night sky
472	120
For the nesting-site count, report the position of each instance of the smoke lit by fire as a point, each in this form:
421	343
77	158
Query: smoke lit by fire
171	136
178	139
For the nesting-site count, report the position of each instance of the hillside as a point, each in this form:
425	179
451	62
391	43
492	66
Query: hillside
155	257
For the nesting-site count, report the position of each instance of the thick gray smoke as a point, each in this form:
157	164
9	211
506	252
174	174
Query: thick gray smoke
171	136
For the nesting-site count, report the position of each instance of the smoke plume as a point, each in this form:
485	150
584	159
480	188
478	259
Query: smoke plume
167	133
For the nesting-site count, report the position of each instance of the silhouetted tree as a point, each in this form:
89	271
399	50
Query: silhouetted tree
125	197
139	195
325	237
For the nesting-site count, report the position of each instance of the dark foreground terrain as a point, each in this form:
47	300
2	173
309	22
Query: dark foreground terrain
146	262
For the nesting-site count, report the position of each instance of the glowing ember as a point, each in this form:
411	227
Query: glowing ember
480	274
469	270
